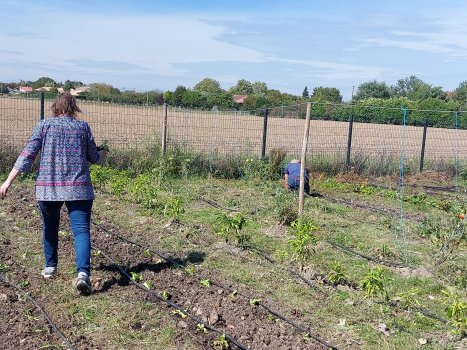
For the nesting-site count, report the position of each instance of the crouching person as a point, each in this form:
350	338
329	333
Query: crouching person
292	176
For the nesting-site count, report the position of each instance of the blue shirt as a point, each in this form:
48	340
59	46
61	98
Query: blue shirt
67	146
293	170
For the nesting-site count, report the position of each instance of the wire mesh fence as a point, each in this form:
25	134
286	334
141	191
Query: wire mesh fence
337	134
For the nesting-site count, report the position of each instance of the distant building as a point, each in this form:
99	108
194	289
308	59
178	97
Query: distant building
25	89
79	90
239	99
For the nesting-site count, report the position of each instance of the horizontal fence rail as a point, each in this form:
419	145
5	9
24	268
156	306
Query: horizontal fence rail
348	141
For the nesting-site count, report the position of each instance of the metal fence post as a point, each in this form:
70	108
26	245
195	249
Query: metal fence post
42	105
265	131
164	130
349	142
422	156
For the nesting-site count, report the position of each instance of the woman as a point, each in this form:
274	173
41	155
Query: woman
66	146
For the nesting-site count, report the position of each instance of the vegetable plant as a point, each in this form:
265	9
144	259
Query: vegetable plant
337	275
373	283
221	341
301	238
457	312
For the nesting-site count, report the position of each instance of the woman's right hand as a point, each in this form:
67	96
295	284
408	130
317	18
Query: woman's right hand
4	189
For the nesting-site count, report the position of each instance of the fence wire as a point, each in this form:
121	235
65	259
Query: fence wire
337	132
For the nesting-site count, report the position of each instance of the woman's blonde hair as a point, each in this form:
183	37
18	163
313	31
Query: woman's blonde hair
65	104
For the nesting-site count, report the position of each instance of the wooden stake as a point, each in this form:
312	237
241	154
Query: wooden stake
301	198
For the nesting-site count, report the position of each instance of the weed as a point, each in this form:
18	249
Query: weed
229	226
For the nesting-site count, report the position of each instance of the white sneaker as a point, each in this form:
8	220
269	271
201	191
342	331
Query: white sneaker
83	284
49	272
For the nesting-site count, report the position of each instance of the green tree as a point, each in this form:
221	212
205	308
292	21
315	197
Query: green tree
44	81
327	94
415	88
373	89
460	94
243	87
178	95
259	87
305	93
3	88
209	86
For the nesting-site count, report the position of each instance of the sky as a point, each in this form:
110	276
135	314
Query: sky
158	45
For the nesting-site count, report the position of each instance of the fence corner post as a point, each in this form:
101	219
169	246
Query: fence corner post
42	105
349	142
422	155
164	130
265	131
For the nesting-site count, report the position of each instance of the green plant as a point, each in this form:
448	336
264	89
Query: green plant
221	341
148	284
373	283
136	277
410	299
206	283
234	294
147	253
229	226
301	238
191	270
173	208
457	312
255	301
337	276
166	295
179	313
201	327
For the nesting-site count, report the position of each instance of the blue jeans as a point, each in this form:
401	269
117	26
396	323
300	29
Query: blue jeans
79	213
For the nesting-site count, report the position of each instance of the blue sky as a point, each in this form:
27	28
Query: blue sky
145	45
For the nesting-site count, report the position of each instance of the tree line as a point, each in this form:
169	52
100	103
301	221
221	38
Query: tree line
373	101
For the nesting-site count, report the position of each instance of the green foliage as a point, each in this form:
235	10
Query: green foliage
230	226
456	310
201	327
373	283
206	283
372	89
173	208
301	238
327	94
409	299
337	275
136	277
221	341
255	301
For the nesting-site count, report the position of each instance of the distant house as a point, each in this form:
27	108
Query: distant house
25	89
240	99
79	90
44	89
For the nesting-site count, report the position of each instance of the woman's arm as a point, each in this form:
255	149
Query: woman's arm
6	185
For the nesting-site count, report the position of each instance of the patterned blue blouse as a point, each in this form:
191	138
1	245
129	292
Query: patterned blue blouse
66	145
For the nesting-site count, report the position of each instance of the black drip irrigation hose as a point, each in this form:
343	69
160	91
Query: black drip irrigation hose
42	311
275	313
376	260
175	306
217	205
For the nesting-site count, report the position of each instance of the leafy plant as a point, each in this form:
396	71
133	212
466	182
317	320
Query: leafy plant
409	299
301	238
229	226
201	327
147	253
457	312
179	313
255	301
233	294
337	276
373	283
221	341
173	208
136	277
190	269
166	295
148	284
206	283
